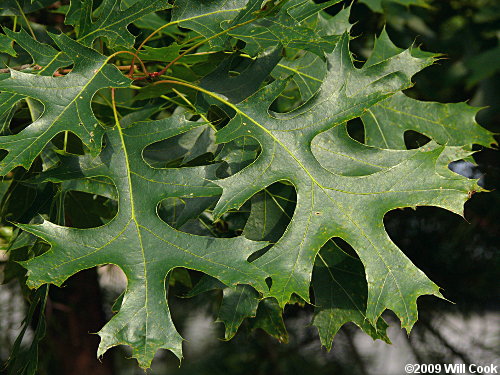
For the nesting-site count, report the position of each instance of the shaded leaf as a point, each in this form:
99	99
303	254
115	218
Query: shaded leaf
237	304
238	87
340	293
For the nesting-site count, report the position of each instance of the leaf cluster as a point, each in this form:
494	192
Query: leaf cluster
206	143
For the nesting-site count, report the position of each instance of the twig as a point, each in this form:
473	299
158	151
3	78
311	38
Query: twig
21	67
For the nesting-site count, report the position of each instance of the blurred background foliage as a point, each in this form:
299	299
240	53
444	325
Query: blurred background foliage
459	255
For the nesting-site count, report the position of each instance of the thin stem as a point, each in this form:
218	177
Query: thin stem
65	141
183	97
26	20
169	99
66	71
147	39
145	71
203	42
113	106
194	87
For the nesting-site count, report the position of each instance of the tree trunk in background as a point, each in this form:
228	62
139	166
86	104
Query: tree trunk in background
74	315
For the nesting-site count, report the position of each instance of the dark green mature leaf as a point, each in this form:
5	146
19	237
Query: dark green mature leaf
269	317
331	205
307	73
136	240
41	53
308	69
66	101
160	54
6	45
111	21
385	49
258	29
302	179
271	211
339	283
340	154
242	303
340	293
451	124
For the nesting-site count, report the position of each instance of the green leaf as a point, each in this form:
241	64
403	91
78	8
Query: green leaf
41	53
169	193
340	154
138	241
340	289
66	101
237	304
340	293
6	45
385	49
160	54
307	73
269	317
483	65
451	124
331	205
271	211
111	21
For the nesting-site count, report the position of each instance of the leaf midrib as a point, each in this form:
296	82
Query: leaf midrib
134	219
